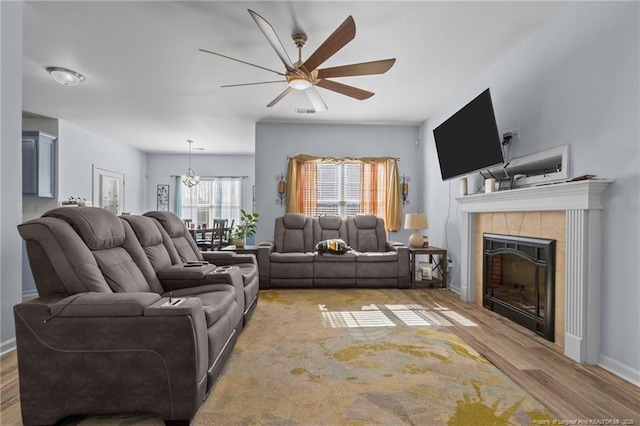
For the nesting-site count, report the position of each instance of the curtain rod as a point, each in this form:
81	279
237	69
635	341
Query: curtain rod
397	158
242	177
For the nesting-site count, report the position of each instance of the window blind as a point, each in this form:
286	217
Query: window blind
212	198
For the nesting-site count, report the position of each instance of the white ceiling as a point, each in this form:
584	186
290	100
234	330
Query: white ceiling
148	86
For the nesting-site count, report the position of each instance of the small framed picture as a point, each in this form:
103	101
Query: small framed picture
425	241
163	197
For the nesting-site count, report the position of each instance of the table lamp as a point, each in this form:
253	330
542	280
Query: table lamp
416	221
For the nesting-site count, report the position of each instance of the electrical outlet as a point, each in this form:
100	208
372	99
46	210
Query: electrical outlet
449	263
515	134
512	135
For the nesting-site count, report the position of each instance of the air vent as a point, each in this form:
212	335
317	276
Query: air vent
305	111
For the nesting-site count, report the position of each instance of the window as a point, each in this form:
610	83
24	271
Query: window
340	188
344	189
212	198
345	186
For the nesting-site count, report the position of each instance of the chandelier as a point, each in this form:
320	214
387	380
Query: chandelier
190	179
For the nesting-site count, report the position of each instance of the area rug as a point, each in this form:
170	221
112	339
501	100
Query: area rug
357	357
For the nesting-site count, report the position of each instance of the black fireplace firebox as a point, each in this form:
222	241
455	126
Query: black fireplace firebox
519	280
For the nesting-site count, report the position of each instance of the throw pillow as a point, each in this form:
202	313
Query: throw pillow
336	246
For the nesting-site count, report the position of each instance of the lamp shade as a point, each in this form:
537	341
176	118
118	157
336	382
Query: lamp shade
415	221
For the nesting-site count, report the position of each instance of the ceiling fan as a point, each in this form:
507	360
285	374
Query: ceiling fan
305	75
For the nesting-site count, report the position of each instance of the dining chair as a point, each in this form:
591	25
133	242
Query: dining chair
218	233
203	238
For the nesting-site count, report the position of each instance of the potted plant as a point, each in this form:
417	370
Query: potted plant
245	229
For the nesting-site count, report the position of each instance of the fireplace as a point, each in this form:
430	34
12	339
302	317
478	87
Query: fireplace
519	280
534	212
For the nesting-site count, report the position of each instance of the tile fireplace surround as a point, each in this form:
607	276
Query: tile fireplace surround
581	203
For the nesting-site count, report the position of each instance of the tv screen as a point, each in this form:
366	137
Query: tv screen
468	141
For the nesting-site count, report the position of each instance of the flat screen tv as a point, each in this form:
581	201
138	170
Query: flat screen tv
469	141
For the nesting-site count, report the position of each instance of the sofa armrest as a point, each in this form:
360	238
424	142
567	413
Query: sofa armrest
183	271
185	281
391	244
113	361
178	277
404	271
225	258
264	261
103	305
184	275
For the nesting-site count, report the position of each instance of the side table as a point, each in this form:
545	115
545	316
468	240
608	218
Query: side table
439	264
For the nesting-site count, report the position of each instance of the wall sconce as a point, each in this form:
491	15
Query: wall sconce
404	190
282	185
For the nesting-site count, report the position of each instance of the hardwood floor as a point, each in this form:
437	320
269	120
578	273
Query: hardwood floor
571	391
574	393
9	391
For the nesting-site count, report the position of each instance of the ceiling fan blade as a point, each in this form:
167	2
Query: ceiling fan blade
252	84
316	99
364	68
272	38
336	41
343	89
279	97
241	61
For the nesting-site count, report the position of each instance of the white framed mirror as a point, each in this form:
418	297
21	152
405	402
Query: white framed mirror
108	189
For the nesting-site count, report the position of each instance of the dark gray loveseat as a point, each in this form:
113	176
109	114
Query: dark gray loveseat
290	259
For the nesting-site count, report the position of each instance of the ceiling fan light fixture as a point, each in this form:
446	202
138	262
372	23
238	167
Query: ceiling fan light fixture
65	76
299	83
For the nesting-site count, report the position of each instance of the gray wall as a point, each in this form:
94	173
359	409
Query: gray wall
79	150
275	142
10	167
162	167
576	82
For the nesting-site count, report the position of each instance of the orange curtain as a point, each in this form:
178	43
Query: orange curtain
309	177
373	189
301	186
393	205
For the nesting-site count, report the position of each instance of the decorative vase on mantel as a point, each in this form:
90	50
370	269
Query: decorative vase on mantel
239	242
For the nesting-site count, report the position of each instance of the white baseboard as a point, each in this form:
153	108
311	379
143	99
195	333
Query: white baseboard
7	346
619	369
456	290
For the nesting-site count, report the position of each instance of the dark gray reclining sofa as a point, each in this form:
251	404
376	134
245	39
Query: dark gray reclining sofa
290	259
122	322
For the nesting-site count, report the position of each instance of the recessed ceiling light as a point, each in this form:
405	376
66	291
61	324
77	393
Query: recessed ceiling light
65	77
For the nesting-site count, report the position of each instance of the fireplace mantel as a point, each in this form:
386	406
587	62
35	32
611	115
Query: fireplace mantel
581	200
580	195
